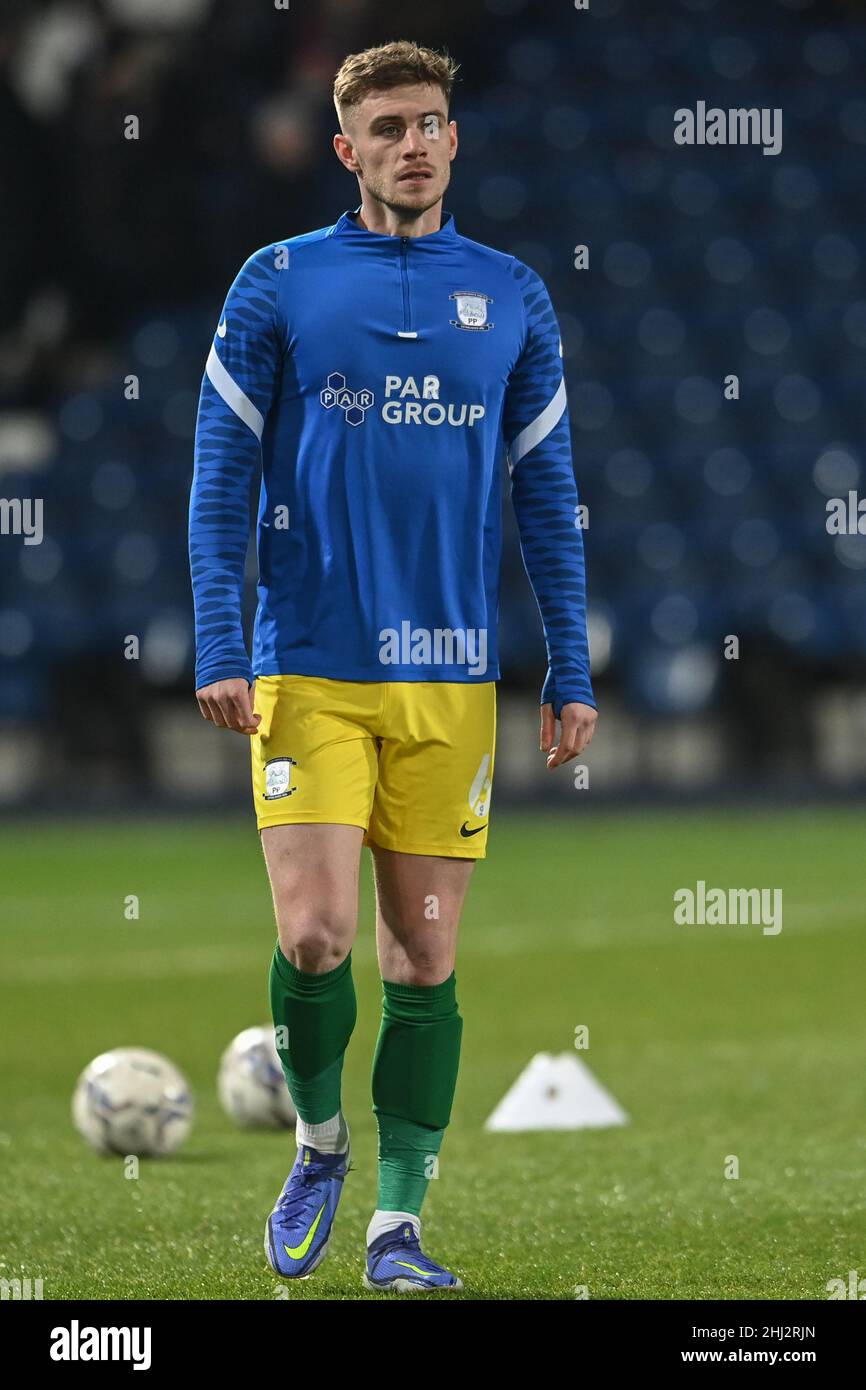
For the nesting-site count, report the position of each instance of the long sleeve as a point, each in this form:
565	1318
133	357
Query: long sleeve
240	380
544	496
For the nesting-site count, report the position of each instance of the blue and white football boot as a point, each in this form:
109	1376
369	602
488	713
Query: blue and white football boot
298	1230
397	1264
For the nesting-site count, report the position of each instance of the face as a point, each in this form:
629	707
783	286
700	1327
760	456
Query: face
401	143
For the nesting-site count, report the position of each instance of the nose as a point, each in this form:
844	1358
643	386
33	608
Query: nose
414	142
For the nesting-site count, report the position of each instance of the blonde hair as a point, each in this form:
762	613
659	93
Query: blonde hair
394	64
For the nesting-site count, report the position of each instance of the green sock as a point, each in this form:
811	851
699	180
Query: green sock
414	1078
318	1015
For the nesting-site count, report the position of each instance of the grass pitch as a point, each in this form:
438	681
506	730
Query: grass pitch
716	1040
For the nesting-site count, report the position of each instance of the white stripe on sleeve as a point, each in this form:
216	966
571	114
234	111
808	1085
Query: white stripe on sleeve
539	428
226	386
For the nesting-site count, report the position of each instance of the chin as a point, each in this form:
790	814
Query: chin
420	201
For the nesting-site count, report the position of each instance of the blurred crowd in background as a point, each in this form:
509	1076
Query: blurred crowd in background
707	516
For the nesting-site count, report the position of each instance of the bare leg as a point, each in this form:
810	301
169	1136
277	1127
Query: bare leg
314	878
313	871
419	898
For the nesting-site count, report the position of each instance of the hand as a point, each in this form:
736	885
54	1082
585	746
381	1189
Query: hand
577	728
229	705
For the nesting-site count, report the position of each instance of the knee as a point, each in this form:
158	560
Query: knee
313	940
425	964
426	968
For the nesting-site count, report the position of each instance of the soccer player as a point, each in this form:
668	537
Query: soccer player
377	370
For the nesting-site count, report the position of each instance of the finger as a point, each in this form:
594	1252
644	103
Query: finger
241	716
587	737
578	724
581	737
590	722
563	753
572	726
574	720
566	759
238	715
238	726
583	734
548	728
249	718
232	715
216	713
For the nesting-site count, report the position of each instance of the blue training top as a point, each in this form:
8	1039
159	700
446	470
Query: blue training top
379	378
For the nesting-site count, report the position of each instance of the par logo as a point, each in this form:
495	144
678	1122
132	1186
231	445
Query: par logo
354	404
278	778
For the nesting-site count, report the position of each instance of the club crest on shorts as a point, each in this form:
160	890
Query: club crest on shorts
471	310
278	778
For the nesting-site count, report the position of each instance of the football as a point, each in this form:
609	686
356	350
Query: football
133	1101
251	1085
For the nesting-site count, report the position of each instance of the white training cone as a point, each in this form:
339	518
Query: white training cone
556	1093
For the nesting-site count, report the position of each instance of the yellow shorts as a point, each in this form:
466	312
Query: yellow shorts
409	761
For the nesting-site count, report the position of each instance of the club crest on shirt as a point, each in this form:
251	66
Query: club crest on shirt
471	310
278	778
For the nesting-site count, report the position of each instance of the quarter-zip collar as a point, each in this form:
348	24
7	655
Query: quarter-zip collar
348	228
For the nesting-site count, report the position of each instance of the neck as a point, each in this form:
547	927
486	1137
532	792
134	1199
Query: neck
386	221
